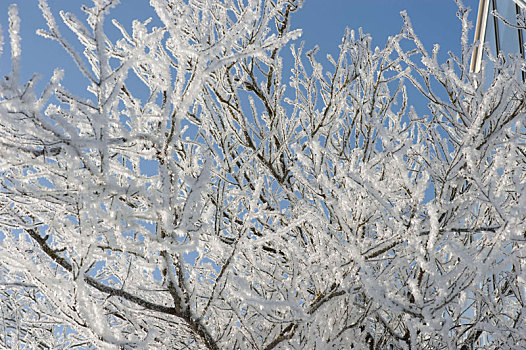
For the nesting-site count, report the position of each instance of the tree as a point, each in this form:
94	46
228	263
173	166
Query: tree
318	210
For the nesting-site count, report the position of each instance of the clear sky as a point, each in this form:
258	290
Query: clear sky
435	21
323	23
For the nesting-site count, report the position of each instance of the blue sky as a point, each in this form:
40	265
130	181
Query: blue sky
323	23
435	21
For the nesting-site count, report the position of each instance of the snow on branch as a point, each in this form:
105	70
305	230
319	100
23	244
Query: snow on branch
201	196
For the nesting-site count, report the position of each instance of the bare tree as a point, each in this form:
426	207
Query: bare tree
315	209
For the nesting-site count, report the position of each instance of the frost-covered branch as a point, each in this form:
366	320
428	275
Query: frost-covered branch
226	203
